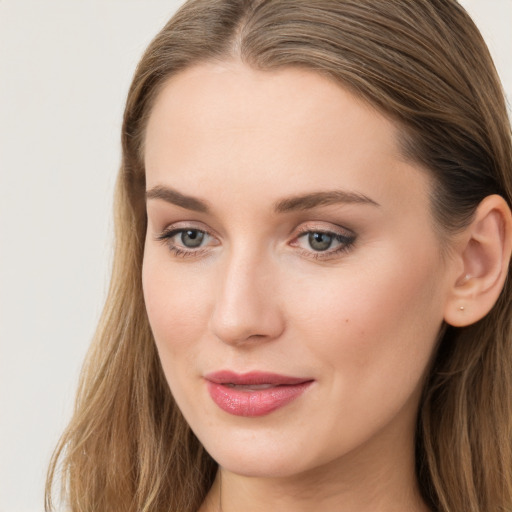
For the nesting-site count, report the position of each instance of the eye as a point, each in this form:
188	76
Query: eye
191	238
320	241
187	241
316	243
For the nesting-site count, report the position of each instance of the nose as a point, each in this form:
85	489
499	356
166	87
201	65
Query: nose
247	305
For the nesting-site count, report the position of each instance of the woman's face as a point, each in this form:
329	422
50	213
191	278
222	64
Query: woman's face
292	275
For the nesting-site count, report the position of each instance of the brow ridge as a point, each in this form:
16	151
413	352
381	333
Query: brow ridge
321	198
172	196
294	203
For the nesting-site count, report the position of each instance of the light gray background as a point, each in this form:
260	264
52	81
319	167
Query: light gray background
65	68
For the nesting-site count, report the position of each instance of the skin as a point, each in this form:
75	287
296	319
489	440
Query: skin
362	322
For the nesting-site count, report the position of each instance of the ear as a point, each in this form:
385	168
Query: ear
484	256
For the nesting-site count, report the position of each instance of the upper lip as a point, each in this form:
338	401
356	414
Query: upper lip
253	378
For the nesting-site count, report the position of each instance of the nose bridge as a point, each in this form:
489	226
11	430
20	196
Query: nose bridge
246	305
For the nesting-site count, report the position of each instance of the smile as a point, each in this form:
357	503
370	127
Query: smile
255	393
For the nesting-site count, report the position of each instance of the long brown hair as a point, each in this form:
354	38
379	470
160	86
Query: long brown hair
424	64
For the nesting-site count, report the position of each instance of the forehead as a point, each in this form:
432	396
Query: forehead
292	128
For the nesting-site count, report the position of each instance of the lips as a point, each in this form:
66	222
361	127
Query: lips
254	393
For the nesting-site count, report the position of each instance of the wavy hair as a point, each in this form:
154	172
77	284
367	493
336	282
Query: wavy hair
424	64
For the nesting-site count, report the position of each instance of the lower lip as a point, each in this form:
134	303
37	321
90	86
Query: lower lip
254	402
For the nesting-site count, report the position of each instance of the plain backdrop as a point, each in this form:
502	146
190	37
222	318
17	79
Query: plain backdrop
65	68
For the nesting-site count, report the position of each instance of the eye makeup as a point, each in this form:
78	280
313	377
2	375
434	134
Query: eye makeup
311	242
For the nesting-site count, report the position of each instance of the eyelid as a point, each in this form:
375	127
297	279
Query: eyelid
319	227
346	238
184	226
172	232
167	234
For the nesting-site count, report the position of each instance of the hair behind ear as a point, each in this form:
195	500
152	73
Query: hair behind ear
466	408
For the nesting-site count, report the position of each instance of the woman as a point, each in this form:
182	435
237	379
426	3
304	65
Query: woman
309	307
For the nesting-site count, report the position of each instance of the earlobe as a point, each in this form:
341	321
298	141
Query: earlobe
485	257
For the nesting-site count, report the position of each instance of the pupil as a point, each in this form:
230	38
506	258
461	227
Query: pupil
320	241
192	238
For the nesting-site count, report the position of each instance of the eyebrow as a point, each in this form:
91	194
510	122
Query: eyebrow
295	203
315	199
174	197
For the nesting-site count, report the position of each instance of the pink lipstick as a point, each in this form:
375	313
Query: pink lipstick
254	393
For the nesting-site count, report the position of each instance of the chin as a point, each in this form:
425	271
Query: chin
271	457
259	466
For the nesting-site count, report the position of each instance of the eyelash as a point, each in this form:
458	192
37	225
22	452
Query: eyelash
168	234
346	243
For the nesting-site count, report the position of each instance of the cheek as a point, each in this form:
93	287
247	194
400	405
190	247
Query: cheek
370	336
176	306
380	324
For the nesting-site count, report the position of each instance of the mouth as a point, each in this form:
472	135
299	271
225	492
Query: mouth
254	393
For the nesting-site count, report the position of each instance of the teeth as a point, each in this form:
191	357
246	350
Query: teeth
250	387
